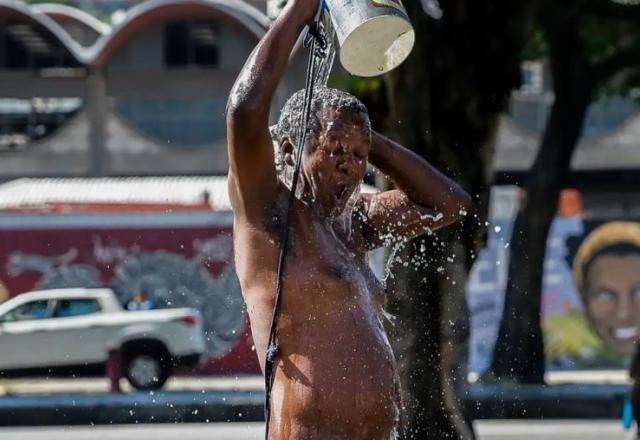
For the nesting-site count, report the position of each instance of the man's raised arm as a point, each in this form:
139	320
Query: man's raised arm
424	200
252	175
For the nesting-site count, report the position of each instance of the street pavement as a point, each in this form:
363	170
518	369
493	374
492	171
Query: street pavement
94	385
556	430
486	430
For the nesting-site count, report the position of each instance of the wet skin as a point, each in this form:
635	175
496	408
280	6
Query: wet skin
613	300
335	377
336	374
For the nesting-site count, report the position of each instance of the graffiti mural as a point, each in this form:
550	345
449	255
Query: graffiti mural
176	267
606	270
170	280
590	297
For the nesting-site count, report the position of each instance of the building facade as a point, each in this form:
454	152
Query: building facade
605	164
143	97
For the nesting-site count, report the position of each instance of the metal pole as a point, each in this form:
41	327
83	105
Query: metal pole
98	112
3	45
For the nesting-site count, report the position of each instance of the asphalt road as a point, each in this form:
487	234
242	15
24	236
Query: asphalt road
486	430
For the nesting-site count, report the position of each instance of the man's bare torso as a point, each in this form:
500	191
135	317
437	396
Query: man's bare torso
336	375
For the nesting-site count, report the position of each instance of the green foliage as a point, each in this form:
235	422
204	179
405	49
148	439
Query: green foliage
356	85
609	38
371	91
607	33
603	37
536	45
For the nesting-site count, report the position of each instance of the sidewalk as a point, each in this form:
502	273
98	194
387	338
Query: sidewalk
485	430
619	377
101	385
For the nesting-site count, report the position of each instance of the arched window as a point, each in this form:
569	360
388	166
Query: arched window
191	44
26	46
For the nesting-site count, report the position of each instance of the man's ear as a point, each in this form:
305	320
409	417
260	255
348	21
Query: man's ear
287	150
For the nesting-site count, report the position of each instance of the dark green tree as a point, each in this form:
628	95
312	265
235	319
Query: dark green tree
593	48
445	101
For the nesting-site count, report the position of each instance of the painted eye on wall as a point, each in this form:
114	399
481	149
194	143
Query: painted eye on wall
605	296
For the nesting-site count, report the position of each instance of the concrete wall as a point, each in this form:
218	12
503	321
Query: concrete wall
135	110
81	33
143	51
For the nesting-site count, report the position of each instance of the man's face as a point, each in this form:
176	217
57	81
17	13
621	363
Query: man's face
613	300
335	164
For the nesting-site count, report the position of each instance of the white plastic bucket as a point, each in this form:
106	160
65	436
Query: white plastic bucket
375	36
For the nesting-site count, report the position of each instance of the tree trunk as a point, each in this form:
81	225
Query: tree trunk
519	351
426	343
444	103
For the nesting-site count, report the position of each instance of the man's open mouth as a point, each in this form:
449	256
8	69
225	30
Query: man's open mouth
341	191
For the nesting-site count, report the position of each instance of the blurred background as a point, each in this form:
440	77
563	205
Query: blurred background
120	304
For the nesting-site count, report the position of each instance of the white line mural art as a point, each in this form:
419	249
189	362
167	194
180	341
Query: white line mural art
170	280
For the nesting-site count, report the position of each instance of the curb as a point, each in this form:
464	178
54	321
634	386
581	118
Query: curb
567	401
563	401
156	407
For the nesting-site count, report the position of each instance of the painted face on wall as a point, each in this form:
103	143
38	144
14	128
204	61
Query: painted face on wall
612	299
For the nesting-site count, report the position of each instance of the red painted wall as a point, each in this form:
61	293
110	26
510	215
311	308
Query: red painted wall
179	264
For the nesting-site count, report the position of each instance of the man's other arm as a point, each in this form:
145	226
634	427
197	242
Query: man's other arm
424	198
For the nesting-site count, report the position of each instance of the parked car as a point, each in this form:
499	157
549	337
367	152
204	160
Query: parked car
72	331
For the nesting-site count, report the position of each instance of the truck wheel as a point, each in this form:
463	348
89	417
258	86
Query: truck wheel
146	371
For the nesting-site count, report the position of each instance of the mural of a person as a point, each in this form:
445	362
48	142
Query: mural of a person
607	275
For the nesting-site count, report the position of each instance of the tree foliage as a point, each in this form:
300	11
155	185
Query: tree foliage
593	48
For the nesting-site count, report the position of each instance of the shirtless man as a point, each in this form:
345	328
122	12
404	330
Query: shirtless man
335	377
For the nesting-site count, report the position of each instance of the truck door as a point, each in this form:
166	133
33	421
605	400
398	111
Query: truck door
24	339
81	337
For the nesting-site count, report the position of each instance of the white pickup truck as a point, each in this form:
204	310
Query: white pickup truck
71	331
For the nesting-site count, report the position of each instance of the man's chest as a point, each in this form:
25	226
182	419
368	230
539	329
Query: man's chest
320	260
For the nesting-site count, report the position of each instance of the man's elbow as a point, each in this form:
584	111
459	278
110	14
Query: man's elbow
238	112
464	201
243	104
459	206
